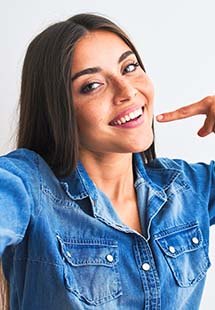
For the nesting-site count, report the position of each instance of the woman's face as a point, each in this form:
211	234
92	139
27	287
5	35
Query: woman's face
112	95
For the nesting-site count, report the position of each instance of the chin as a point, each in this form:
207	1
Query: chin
142	145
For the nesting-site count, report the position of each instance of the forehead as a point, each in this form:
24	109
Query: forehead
97	48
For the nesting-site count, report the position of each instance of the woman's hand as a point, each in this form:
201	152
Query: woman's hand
205	106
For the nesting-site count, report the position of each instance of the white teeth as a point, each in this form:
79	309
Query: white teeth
129	117
139	112
136	113
123	120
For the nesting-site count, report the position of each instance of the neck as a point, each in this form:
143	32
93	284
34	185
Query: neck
112	173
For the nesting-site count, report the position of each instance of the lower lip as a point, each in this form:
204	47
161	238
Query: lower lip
132	124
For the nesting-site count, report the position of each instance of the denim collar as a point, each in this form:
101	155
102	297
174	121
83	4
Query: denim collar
79	185
156	175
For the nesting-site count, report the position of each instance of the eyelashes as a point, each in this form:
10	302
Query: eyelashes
134	65
92	86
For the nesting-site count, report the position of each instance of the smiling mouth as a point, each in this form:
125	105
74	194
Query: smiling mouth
128	118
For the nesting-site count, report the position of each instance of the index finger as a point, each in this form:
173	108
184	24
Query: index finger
183	112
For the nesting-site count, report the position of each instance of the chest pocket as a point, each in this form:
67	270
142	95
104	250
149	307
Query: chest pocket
91	269
186	254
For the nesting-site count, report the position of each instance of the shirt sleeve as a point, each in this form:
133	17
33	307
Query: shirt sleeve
16	200
202	177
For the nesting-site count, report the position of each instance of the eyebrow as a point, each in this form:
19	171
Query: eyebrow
98	69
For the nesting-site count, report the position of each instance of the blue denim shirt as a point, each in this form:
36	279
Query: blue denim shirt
64	247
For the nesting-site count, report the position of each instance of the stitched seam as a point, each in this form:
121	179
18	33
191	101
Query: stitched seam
85	186
49	193
155	278
142	181
144	281
42	260
165	232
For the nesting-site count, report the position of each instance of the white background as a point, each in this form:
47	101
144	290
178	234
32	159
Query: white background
176	40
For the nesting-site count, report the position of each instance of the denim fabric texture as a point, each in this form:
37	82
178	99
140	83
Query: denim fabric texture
64	247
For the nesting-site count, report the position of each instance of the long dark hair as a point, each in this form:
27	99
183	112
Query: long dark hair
47	122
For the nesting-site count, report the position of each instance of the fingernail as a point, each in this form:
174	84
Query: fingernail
159	117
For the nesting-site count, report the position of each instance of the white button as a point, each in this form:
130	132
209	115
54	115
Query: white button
172	249
145	266
195	240
109	257
69	254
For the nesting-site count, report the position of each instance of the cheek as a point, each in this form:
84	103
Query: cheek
151	91
148	87
145	85
89	118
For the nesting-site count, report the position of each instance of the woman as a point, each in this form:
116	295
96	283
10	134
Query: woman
90	219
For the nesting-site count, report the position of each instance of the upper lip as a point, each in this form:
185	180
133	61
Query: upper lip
126	112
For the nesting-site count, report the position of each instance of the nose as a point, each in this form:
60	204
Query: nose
123	91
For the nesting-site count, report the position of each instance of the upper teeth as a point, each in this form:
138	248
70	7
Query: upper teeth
128	117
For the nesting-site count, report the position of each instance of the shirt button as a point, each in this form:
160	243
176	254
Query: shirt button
109	258
145	266
195	240
171	249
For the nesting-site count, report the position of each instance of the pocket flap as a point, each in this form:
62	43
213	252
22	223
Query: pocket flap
184	240
89	252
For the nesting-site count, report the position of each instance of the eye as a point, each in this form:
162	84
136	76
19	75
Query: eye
90	87
131	67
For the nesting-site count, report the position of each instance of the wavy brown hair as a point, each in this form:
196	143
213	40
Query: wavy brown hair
47	122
